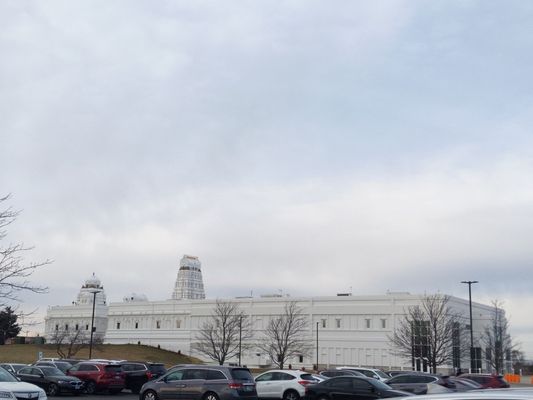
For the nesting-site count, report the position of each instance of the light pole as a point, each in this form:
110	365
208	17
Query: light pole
472	363
94	292
317	346
240	338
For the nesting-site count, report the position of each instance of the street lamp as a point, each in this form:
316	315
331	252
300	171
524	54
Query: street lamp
94	292
240	338
317	346
472	363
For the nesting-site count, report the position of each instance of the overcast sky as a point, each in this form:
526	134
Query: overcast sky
305	147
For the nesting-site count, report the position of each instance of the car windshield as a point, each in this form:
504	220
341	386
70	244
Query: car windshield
382	374
51	371
242	374
380	385
6	376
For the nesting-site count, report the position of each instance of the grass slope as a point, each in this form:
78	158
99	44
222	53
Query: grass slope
28	353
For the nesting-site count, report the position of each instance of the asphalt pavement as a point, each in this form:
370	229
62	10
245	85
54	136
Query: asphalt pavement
125	395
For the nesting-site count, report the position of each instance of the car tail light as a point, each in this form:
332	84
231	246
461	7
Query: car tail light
305	383
235	385
149	375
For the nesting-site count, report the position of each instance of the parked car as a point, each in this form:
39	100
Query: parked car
417	383
368	372
12	367
12	388
99	376
283	384
62	365
351	387
137	373
464	384
51	379
206	382
487	380
331	373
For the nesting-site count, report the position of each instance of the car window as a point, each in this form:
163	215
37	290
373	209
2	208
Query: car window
370	374
242	374
307	377
26	371
213	374
51	371
175	375
282	376
113	369
157	368
360	384
269	376
195	374
88	367
343	383
6	376
427	379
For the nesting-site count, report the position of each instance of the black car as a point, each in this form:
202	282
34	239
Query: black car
51	379
64	366
202	382
417	383
137	373
351	387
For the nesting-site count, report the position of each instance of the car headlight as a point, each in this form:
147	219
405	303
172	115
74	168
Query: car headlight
42	394
6	395
61	382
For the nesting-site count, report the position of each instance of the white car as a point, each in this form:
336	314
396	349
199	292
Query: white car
12	389
283	384
369	372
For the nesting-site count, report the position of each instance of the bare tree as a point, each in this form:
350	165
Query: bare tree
69	342
225	335
13	270
429	333
497	340
285	335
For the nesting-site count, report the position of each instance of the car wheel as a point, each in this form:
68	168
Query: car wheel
90	387
291	395
210	396
149	395
53	389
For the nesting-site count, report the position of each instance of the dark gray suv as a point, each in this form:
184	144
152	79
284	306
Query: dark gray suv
202	382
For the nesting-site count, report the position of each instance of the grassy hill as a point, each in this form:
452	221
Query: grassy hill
28	353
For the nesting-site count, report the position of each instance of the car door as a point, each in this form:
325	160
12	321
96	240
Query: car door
170	385
192	384
341	388
363	390
264	384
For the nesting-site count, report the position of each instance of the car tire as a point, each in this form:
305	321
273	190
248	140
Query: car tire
149	395
53	390
291	395
90	387
210	396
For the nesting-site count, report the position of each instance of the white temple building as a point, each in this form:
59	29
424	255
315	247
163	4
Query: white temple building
351	330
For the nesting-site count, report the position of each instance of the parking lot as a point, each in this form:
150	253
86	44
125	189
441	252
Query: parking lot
125	395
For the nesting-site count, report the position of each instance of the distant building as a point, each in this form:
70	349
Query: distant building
352	330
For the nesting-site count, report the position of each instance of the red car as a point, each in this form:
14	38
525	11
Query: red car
99	376
487	381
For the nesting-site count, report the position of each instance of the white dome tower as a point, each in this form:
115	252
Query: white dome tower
86	294
189	284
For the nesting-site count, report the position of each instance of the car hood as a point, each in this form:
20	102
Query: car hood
19	387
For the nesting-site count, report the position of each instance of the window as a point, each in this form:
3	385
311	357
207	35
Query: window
323	323
383	323
301	359
118	325
368	323
195	374
87	367
176	375
57	327
66	327
269	376
214	374
87	327
158	324
136	325
338	322
178	324
77	327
